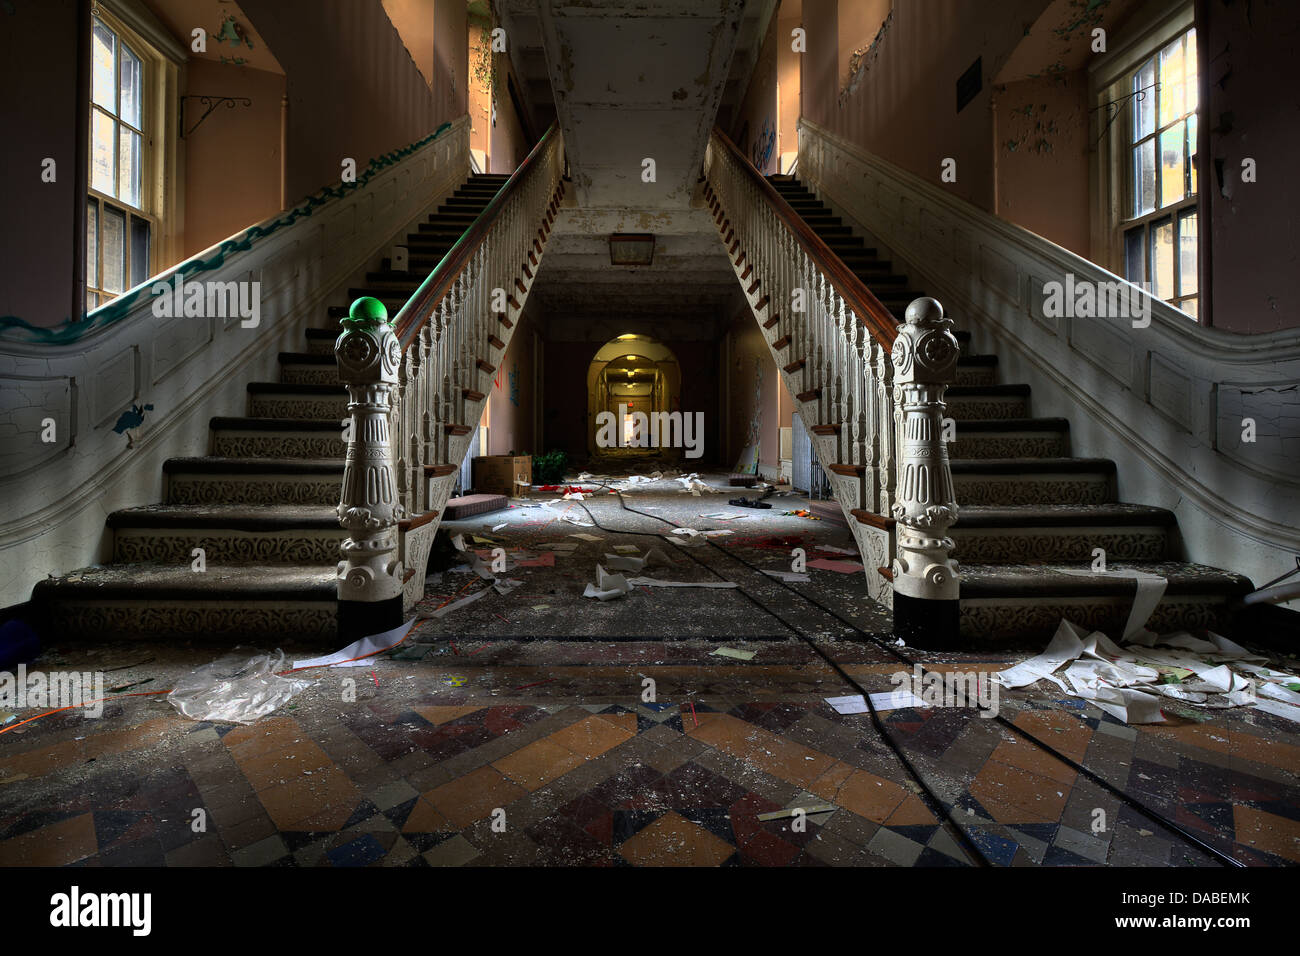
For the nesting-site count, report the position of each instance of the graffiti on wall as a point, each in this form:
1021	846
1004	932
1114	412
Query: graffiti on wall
764	145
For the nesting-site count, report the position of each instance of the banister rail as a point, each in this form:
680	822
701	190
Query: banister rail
870	390
878	319
444	274
417	387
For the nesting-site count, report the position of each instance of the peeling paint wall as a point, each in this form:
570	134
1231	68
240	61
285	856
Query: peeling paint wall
903	107
1041	140
1252	110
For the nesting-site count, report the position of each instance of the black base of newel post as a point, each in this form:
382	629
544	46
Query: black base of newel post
358	619
928	625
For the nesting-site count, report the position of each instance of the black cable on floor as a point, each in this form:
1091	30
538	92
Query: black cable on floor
936	805
1153	815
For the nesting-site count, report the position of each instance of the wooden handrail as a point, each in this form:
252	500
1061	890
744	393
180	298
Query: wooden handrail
406	324
878	320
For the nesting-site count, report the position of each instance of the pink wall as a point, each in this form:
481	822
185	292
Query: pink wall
1248	83
354	91
38	73
904	108
756	120
1041	140
511	401
222	197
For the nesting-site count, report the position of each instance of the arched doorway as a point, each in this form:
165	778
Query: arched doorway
629	374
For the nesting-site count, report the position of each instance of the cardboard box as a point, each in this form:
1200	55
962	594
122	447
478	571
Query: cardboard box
503	474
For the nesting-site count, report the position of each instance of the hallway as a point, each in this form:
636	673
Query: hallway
481	710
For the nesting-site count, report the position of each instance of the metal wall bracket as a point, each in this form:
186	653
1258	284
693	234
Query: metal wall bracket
211	102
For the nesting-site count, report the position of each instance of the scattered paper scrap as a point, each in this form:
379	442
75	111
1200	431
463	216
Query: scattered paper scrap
365	647
546	560
457	605
886	700
458	542
608	586
654	583
1129	682
498	527
732	652
586	537
789	575
626	548
792	811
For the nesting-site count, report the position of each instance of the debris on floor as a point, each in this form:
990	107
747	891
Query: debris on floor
236	690
1128	682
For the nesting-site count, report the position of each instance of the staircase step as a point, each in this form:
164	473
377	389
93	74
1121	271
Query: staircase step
309	368
967	402
977	370
296	400
320	341
269	602
254	481
1032	481
1007	605
237	534
243	437
997	534
1011	438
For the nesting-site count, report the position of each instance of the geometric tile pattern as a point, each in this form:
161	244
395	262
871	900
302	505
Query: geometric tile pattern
450	778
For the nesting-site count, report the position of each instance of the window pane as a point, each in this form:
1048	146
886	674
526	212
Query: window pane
1173	185
1135	262
129	79
1173	82
1191	154
103	150
1144	104
1144	178
102	55
1162	258
114	238
92	244
1191	306
92	301
1188	249
139	250
128	183
1190	90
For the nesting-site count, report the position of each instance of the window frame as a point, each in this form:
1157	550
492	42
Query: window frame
161	198
100	200
1113	206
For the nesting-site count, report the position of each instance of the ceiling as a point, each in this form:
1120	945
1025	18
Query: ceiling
631	80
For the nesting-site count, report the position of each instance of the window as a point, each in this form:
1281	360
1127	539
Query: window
119	227
1159	227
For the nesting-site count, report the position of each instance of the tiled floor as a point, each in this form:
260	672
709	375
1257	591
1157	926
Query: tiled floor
416	772
467	748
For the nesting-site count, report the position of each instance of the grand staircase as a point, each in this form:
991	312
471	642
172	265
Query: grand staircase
1030	514
261	506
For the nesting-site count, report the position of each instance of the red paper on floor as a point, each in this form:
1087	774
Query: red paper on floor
843	567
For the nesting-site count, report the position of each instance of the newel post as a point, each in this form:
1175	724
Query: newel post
370	574
926	584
